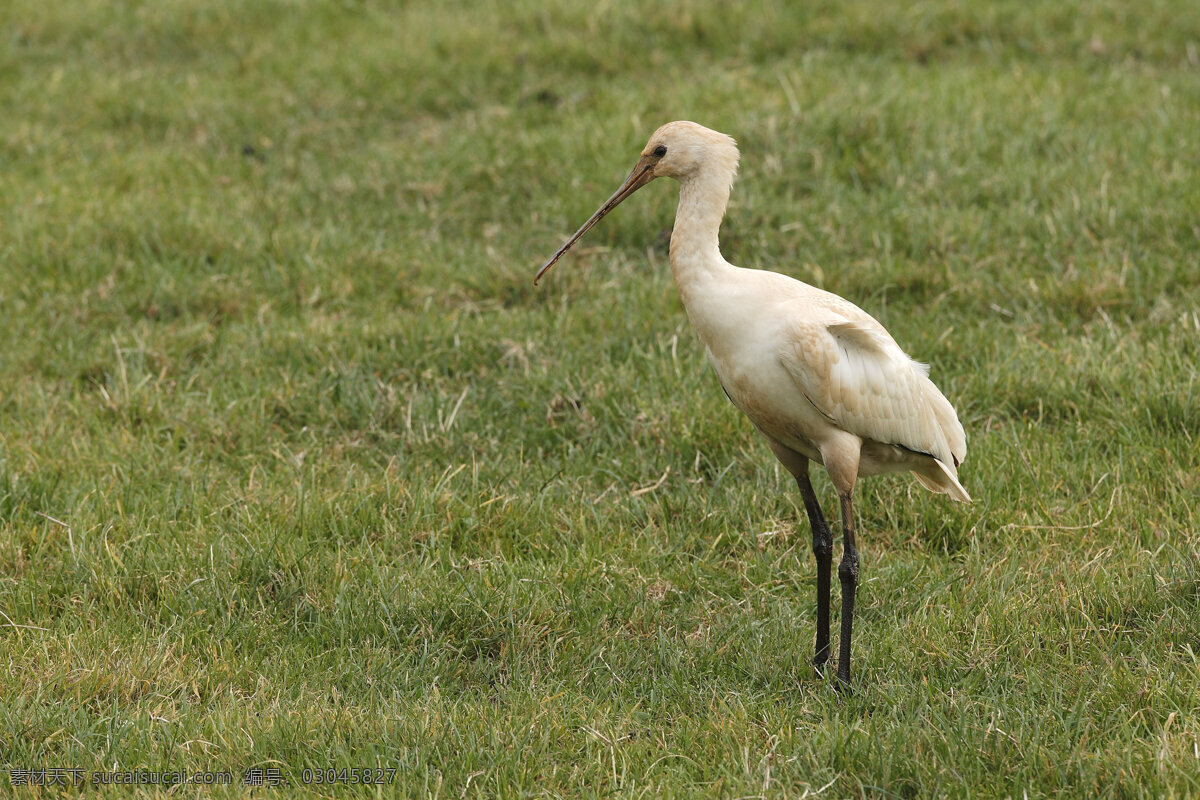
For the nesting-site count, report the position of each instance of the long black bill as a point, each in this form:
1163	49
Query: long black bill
642	174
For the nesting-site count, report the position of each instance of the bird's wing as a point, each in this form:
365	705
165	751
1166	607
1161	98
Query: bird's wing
855	374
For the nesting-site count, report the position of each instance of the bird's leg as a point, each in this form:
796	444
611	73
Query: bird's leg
848	575
822	543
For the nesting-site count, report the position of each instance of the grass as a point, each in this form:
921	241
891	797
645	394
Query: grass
297	470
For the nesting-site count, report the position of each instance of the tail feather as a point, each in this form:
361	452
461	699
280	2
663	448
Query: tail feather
943	480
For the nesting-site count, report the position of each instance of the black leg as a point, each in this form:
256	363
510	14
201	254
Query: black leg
848	575
822	543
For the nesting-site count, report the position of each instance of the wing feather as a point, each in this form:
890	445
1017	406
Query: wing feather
856	374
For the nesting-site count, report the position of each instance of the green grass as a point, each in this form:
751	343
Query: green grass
297	469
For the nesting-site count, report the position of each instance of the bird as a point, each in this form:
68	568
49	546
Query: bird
818	377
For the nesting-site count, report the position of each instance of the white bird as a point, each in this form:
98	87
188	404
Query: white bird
819	377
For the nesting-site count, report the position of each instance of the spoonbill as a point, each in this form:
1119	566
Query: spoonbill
818	377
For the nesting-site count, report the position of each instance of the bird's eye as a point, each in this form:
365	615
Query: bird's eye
660	151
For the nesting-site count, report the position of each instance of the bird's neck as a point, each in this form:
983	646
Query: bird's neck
695	254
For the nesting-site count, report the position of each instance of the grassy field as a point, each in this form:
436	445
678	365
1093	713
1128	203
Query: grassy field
298	470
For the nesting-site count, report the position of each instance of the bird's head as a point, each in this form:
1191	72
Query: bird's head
681	150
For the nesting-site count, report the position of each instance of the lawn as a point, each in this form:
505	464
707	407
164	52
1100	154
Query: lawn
299	471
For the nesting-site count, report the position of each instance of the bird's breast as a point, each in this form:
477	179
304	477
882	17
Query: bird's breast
762	389
743	319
